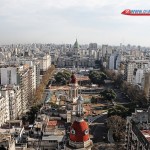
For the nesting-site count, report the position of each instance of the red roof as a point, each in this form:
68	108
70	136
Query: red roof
146	133
73	79
79	131
52	123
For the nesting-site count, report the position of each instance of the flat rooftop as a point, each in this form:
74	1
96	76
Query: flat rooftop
58	138
10	131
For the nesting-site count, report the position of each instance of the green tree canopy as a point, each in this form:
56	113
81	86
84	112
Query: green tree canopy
93	100
118	110
108	94
97	77
63	77
117	125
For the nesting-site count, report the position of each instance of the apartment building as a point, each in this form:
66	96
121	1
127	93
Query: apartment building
11	95
138	130
45	62
146	85
3	116
23	77
131	68
26	85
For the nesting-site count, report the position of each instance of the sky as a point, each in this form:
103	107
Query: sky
62	21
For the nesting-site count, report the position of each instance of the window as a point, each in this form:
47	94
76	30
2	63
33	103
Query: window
86	132
73	131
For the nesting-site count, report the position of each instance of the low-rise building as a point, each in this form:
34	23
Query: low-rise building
11	135
47	133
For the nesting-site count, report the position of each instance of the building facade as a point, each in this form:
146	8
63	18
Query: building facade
138	130
77	57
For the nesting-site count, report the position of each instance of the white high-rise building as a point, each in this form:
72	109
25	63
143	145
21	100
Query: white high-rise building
8	75
24	76
132	66
3	116
12	96
104	50
45	62
139	76
119	59
112	61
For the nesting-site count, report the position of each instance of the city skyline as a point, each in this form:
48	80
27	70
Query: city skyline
62	21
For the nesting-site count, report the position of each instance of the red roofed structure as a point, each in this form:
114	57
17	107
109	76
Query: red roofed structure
81	131
52	123
79	137
73	79
73	92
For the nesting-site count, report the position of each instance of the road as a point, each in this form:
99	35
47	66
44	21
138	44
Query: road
121	97
98	129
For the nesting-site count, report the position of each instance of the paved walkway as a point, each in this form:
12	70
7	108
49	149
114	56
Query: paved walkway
92	119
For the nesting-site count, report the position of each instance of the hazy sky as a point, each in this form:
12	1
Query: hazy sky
62	21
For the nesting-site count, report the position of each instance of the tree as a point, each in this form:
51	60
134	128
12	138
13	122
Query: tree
118	110
31	115
117	125
63	77
97	77
118	81
108	94
93	100
38	94
134	93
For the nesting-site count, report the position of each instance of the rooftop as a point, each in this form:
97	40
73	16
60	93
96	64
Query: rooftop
146	133
58	138
52	123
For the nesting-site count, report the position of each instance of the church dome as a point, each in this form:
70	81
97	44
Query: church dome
76	45
79	131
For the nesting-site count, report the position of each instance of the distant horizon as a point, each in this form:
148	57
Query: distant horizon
62	21
80	44
72	42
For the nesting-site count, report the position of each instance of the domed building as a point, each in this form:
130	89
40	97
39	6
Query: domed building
76	56
76	48
79	137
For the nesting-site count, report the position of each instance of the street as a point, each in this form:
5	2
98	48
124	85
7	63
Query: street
98	129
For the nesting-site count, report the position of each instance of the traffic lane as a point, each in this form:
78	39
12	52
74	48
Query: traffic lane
99	132
101	119
98	129
121	97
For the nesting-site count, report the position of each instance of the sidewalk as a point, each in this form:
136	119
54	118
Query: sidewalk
110	136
